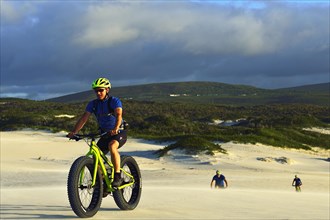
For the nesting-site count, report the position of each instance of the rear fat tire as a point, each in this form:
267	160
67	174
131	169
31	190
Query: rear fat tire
84	200
128	198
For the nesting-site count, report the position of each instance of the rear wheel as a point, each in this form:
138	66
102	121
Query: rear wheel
128	198
85	199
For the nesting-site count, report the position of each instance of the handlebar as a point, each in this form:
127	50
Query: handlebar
78	137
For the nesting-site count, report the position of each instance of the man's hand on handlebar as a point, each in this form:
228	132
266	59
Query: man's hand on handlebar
114	131
71	135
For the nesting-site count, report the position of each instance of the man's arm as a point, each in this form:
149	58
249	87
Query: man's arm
80	124
212	183
119	118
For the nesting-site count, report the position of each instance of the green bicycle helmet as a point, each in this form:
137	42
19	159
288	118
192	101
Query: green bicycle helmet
101	83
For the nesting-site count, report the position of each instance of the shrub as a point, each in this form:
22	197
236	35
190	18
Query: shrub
193	145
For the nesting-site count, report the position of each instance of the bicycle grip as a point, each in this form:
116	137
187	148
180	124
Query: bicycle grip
76	138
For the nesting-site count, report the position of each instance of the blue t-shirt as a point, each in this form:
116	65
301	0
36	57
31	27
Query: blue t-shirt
219	180
104	116
297	181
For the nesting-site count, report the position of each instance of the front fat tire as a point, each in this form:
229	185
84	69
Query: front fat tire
84	200
128	198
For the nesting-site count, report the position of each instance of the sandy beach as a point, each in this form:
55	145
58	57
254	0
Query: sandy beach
35	166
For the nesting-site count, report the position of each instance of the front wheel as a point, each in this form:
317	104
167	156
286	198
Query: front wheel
128	198
85	199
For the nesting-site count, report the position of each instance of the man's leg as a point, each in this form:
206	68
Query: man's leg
115	159
115	156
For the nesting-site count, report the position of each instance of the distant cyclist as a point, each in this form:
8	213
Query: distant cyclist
108	111
297	183
219	180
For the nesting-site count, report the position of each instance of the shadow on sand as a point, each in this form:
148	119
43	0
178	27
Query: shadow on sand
324	159
9	211
149	154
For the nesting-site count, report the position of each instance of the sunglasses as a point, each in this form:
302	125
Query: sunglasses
99	90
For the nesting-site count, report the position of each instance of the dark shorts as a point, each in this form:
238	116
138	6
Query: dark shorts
103	143
219	186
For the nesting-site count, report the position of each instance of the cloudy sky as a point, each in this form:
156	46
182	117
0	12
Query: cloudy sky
53	48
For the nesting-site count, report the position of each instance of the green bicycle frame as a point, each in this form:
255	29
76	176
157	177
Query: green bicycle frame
99	157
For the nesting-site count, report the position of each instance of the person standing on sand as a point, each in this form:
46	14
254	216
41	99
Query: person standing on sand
297	183
108	111
219	180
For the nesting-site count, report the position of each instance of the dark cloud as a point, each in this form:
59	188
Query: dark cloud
54	48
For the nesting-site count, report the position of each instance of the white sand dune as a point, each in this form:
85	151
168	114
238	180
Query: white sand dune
319	130
35	165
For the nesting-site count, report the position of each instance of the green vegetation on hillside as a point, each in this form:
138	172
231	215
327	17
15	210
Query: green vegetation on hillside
19	113
277	125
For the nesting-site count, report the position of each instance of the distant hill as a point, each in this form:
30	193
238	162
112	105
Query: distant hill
314	88
211	92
